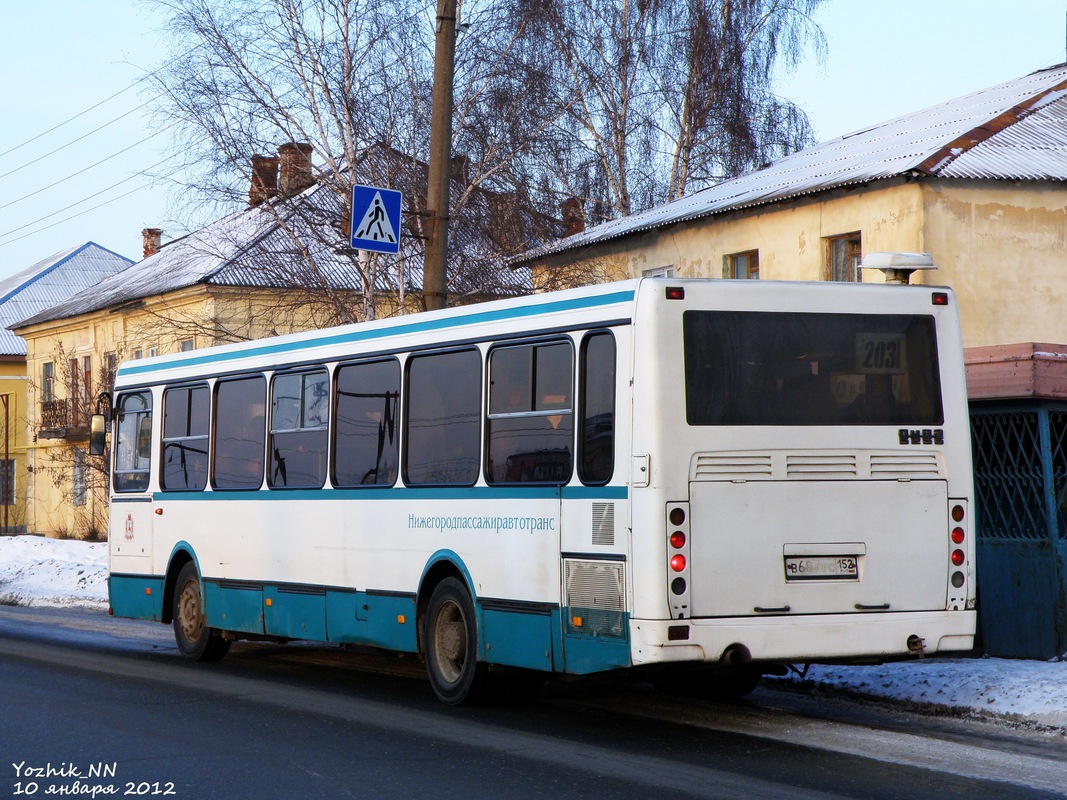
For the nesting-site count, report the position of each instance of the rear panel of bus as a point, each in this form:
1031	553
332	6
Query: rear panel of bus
809	479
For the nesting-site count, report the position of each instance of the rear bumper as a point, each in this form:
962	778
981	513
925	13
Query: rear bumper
838	637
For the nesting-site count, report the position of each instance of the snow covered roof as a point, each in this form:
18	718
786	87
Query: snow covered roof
222	253
49	282
1014	131
294	242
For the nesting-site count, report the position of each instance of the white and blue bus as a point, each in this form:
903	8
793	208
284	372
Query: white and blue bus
702	479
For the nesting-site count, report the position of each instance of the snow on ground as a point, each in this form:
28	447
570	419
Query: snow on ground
50	572
35	571
1030	692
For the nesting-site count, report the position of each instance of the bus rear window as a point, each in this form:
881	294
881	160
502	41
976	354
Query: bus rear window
785	368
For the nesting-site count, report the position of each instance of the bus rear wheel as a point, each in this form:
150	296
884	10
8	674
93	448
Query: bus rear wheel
450	641
195	639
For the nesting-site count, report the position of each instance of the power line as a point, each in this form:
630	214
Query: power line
79	202
93	107
72	216
86	169
73	141
71	119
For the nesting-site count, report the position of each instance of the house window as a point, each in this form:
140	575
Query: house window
187	345
75	391
111	363
87	383
659	272
48	382
843	256
78	478
7	482
744	266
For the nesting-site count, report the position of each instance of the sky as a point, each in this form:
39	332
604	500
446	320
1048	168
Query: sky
77	149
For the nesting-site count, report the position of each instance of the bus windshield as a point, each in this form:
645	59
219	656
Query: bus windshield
776	368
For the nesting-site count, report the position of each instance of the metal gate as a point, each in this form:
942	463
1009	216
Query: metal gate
1020	476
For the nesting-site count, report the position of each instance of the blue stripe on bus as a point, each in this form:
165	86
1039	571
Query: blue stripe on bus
438	493
359	335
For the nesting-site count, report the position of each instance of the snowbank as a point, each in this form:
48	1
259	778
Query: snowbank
1034	692
52	572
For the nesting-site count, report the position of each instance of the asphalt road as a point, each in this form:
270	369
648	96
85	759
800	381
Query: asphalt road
99	707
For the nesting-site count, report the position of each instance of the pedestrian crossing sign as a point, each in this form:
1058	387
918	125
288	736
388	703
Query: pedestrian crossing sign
375	219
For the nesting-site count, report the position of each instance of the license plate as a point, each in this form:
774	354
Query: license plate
822	568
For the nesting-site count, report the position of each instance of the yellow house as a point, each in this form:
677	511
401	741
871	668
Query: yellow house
38	287
979	182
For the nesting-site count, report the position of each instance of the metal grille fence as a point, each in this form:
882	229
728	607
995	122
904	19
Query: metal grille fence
1020	471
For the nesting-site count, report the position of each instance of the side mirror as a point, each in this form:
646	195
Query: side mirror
97	434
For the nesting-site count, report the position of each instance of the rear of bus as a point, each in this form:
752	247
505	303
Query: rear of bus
808	493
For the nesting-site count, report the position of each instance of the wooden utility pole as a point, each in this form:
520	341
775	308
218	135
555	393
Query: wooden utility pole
434	281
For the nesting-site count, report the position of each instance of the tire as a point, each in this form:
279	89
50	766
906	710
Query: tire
195	639
450	644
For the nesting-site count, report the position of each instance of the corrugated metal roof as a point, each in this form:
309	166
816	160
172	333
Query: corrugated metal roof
49	282
1015	131
267	246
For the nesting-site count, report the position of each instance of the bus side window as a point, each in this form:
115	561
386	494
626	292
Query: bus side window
366	434
298	430
133	442
442	424
239	433
185	437
530	430
596	436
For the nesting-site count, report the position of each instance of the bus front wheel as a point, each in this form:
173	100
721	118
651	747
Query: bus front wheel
450	640
195	639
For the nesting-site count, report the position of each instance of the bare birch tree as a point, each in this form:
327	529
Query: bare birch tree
659	97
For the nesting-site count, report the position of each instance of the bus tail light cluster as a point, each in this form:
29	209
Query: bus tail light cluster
678	558
958	524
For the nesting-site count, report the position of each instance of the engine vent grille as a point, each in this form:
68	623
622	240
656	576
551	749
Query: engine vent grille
910	465
603	523
731	466
829	465
595	584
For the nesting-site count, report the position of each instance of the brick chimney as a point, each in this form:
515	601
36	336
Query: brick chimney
573	219
295	172
264	184
150	240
